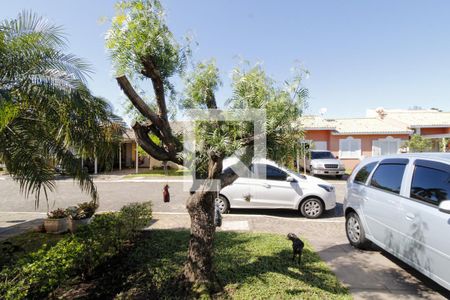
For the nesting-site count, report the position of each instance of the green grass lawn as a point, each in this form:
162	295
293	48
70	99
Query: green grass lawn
28	242
158	173
251	266
248	265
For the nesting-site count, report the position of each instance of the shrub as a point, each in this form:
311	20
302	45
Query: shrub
36	275
418	143
88	208
136	216
83	210
57	214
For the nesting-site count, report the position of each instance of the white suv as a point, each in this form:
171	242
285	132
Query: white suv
323	162
402	204
268	185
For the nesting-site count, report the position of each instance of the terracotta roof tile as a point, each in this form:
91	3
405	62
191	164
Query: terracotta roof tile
421	118
354	125
370	126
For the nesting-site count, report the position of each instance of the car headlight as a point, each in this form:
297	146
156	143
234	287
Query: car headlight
318	165
327	188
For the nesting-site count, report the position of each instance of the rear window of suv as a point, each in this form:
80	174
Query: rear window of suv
364	172
431	182
388	176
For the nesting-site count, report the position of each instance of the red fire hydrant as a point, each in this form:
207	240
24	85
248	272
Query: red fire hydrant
166	195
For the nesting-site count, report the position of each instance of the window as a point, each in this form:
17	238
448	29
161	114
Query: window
350	148
388	177
385	146
363	174
268	172
430	184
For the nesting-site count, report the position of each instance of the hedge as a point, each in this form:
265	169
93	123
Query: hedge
41	272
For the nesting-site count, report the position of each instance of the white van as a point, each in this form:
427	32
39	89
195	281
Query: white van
402	204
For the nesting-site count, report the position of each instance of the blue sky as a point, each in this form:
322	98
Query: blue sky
360	54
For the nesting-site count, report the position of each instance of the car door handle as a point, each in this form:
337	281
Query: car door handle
410	216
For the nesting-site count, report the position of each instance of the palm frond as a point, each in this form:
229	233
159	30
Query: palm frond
47	113
28	24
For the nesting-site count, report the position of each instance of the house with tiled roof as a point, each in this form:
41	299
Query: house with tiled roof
351	139
429	123
129	156
382	132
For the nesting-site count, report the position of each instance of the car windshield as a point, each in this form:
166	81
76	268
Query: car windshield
321	155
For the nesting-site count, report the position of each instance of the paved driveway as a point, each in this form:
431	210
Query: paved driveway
369	274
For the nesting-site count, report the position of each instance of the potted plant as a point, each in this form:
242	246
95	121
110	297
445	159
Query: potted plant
81	214
56	221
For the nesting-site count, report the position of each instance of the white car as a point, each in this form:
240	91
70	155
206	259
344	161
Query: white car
402	204
268	185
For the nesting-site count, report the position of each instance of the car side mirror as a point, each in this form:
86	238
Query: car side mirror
290	179
337	157
444	206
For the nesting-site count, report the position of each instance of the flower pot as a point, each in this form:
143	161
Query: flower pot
74	224
55	225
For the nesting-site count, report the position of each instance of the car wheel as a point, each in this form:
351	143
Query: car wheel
223	204
355	231
311	208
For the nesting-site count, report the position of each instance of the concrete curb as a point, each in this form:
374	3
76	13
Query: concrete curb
259	216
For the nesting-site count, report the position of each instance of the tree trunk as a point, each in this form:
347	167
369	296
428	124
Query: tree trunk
198	270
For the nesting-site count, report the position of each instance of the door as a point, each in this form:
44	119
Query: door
357	188
381	204
426	244
271	190
241	191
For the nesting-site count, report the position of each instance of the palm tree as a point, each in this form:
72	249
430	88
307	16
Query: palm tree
47	113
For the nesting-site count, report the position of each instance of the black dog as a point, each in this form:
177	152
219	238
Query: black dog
297	246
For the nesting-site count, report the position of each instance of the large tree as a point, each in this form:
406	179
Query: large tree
143	48
47	114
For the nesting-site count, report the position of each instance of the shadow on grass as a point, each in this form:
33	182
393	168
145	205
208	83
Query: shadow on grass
248	265
17	247
265	260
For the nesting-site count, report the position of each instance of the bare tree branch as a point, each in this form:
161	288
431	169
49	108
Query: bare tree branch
153	73
137	101
153	129
150	147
